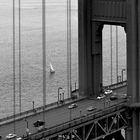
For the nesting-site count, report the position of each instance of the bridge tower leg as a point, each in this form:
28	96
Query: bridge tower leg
116	136
90	51
133	64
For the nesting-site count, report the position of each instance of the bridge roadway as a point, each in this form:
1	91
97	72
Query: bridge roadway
58	115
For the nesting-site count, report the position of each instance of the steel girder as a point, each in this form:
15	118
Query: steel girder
95	129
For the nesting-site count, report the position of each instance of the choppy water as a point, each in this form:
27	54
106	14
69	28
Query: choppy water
31	43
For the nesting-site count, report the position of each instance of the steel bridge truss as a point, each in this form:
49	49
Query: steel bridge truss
97	129
94	129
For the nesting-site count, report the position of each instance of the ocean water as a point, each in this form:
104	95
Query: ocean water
56	48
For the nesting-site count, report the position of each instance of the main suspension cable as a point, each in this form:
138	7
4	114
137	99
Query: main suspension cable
14	109
69	86
20	56
44	54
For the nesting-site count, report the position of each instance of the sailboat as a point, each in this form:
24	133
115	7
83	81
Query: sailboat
51	69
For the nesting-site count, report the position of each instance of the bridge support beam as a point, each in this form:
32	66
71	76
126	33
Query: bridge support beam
133	62
90	51
97	56
116	136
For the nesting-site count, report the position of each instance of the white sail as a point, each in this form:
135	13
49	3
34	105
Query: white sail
51	69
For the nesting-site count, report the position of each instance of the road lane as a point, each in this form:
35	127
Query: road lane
58	115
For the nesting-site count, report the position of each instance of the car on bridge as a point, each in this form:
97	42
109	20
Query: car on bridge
114	96
74	105
11	136
123	96
91	108
101	96
108	91
19	138
39	125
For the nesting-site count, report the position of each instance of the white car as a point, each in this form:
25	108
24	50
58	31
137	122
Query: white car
72	106
10	136
91	108
19	138
108	91
124	96
101	96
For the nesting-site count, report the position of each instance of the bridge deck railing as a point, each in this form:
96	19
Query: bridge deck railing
116	85
31	111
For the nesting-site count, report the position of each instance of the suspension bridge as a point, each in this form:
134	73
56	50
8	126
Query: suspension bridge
71	118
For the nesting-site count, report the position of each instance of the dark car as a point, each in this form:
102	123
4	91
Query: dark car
113	97
39	125
74	97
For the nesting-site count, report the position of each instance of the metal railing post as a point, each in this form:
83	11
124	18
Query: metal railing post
122	73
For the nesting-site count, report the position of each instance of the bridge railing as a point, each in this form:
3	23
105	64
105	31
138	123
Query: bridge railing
35	110
31	111
116	85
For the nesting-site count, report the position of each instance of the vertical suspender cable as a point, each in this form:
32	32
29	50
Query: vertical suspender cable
19	56
117	53
14	110
111	52
44	54
69	88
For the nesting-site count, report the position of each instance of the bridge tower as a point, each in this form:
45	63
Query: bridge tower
90	51
133	65
93	14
